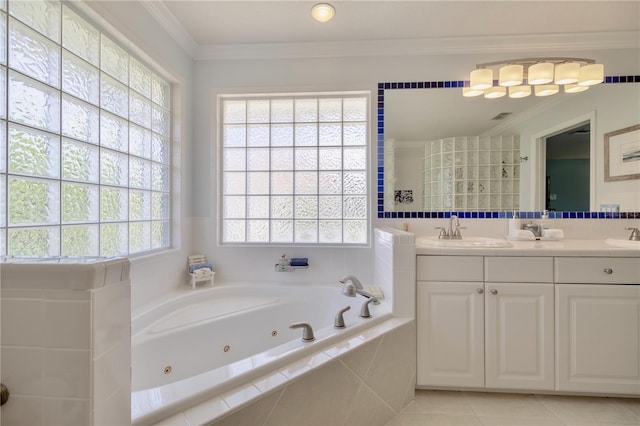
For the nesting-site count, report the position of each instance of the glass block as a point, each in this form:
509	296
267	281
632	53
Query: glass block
330	134
495	172
473	143
507	186
330	109
355	158
306	110
258	231
160	121
355	109
472	187
506	171
80	37
113	168
114	96
495	157
160	92
257	183
447	159
305	207
42	16
234	159
281	135
140	205
484	143
258	207
281	231
282	111
139	110
3	198
460	172
258	134
516	172
484	157
139	236
234	183
234	207
3	147
281	159
33	55
495	202
355	231
330	231
306	134
483	172
507	202
447	145
160	205
80	240
3	40
483	186
282	207
507	157
160	235
33	103
160	149
330	207
436	147
33	152
306	231
355	182
114	239
79	203
80	161
234	111
33	201
354	134
258	111
258	159
234	135
139	141
114	132
282	183
330	182
355	207
139	78
233	231
495	186
483	202
330	159
496	143
460	144
34	242
160	177
472	158
139	173
3	92
114	60
306	182
306	158
80	120
114	204
80	79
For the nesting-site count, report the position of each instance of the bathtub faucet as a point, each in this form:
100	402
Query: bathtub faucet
307	332
352	286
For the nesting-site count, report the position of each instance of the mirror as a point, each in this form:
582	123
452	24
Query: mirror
441	152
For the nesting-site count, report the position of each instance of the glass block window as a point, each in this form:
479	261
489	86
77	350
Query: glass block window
294	170
85	139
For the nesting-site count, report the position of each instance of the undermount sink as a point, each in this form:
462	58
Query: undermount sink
466	242
623	243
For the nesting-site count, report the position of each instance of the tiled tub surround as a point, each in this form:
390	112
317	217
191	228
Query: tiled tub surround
66	342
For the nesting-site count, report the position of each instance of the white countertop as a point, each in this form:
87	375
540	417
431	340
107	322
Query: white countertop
583	248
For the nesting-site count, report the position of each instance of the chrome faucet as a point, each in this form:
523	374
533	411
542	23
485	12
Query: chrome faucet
339	320
635	234
307	332
453	233
352	286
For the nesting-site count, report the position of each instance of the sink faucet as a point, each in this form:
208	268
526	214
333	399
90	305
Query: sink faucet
453	233
352	286
635	234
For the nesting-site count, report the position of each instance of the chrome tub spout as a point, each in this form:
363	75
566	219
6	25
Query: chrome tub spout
307	332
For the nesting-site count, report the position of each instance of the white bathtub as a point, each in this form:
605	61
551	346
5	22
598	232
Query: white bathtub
206	342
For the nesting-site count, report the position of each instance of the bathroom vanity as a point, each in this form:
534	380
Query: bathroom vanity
542	316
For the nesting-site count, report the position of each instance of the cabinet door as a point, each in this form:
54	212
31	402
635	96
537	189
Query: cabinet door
519	331
450	326
598	336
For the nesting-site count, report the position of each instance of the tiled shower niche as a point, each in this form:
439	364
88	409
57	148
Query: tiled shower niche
472	173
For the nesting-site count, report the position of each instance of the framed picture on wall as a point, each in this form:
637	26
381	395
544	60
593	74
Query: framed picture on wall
622	154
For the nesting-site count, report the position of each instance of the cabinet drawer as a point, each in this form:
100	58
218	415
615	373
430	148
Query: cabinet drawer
519	269
598	270
449	268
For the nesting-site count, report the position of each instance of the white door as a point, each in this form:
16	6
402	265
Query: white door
598	337
450	326
519	330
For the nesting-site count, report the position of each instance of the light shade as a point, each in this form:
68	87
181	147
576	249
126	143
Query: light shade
519	91
323	12
567	73
470	92
591	74
495	92
574	88
511	75
481	79
546	89
541	73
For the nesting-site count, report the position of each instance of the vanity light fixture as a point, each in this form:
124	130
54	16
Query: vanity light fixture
545	75
323	12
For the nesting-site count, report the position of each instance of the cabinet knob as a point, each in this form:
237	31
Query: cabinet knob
4	394
494	291
479	290
608	271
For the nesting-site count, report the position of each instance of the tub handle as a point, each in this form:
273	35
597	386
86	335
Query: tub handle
339	321
364	311
307	332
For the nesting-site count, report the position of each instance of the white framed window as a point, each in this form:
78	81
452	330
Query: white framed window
85	139
294	169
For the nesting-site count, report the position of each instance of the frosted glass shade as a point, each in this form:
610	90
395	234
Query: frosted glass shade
567	73
541	73
495	92
470	92
591	74
511	75
519	91
481	79
574	88
323	12
546	89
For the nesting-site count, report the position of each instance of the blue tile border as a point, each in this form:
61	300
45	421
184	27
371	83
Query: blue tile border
382	214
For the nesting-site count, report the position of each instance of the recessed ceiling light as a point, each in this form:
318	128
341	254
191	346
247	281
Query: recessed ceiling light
323	12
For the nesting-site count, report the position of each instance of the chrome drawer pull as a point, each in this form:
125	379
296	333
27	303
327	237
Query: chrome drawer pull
479	290
608	271
494	291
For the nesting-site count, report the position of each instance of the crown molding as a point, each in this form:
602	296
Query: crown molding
172	26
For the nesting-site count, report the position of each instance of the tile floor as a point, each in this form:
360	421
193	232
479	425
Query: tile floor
503	409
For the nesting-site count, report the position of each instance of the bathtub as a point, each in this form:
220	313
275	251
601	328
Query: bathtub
204	345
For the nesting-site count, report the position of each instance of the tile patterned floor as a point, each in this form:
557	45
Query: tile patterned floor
503	409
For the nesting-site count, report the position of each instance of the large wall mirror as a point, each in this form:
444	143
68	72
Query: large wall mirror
440	152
